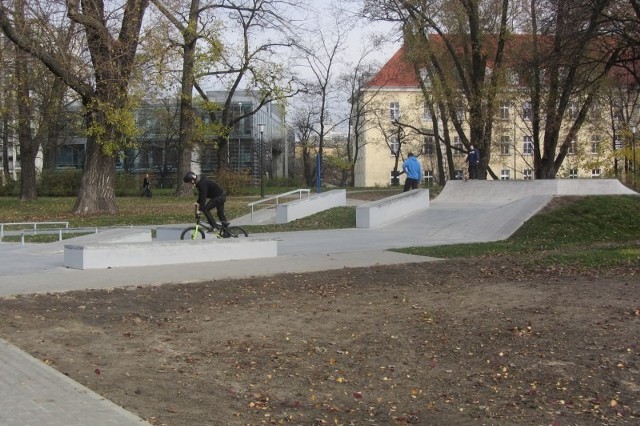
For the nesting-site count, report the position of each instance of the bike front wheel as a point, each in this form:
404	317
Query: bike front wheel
234	232
192	233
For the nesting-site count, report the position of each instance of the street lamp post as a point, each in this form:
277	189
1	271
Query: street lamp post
261	129
239	134
633	152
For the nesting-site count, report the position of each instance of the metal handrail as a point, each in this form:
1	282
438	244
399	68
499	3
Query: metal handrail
277	198
33	225
58	231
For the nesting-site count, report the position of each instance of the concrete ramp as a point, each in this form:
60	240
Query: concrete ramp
482	210
506	191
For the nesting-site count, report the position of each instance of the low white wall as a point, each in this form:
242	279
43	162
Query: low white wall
104	256
303	207
168	233
390	209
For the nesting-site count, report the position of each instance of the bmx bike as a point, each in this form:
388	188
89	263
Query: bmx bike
201	227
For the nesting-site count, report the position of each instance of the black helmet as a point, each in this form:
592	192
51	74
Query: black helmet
190	176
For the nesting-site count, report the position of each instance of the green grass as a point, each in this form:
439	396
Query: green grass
594	231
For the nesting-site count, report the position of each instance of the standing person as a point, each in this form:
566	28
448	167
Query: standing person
412	168
473	158
146	186
208	189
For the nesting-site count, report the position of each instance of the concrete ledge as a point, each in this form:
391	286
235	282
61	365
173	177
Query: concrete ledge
115	255
390	209
169	233
303	207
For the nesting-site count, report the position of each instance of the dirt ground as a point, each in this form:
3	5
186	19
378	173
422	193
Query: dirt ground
482	342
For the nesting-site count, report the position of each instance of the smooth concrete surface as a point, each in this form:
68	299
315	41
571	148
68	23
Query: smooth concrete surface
288	212
118	255
464	212
381	212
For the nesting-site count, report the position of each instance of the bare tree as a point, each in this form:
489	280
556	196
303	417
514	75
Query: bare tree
322	55
566	64
453	35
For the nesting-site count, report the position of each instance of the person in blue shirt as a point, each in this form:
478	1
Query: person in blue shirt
473	158
411	167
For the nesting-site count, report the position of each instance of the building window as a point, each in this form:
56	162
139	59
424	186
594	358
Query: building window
460	113
504	111
459	174
505	145
595	144
527	145
428	176
527	111
595	173
527	174
572	148
426	112
394	145
429	146
457	146
394	111
573	173
393	178
504	174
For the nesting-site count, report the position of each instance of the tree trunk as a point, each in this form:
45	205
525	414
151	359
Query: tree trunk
97	188
28	146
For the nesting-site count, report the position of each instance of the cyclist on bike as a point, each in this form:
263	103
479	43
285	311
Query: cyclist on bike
208	189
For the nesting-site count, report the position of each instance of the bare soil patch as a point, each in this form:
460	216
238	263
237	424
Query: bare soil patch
468	342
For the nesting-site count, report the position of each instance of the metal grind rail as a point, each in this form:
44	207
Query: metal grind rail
32	226
277	198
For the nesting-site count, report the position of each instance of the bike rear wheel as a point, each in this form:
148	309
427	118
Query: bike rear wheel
191	234
234	232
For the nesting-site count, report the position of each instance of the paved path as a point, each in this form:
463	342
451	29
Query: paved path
32	393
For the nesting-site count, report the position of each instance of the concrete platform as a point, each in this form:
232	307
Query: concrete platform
118	255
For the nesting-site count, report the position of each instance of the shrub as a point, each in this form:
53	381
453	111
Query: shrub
234	183
59	183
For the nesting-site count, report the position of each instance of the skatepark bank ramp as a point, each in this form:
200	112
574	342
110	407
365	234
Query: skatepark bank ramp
486	210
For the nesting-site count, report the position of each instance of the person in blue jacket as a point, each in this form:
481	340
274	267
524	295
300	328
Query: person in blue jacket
411	167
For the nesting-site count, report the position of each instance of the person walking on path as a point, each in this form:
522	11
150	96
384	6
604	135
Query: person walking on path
208	189
412	168
146	186
473	158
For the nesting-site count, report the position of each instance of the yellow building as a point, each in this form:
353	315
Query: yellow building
397	117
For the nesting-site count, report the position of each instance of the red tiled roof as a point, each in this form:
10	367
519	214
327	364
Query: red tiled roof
397	72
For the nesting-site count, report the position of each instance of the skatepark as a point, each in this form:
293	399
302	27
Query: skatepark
473	211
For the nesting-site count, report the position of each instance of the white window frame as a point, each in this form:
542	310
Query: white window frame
527	111
505	111
426	112
596	173
527	174
505	174
573	173
527	145
428	176
394	145
457	146
572	148
458	174
595	144
394	110
505	145
429	146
